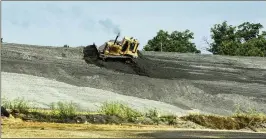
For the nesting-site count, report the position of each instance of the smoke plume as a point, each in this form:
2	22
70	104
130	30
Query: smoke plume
109	26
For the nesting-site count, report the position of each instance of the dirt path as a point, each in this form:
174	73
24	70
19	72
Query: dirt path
15	128
55	133
202	134
213	84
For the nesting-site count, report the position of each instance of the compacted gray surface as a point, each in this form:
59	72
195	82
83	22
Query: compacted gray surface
183	82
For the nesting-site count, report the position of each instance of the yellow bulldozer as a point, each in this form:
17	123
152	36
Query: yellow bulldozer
114	50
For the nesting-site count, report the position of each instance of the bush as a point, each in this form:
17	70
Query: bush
64	110
169	119
18	104
120	110
153	114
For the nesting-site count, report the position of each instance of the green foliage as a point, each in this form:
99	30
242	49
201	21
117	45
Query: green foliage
64	109
17	104
173	42
170	119
152	113
120	110
243	40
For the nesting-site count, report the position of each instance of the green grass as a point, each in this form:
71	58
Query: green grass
131	115
64	111
59	112
120	110
19	104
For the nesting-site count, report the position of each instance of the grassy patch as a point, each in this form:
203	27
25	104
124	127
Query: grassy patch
59	112
64	109
241	119
18	104
250	119
120	110
130	115
65	112
213	121
118	113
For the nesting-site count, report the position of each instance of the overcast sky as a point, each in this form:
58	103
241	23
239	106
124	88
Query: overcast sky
82	23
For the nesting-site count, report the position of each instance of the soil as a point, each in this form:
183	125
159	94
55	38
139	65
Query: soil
208	83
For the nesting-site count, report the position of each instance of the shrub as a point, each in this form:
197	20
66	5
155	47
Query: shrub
153	114
18	104
63	109
120	110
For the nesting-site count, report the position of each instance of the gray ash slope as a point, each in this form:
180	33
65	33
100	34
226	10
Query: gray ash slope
214	84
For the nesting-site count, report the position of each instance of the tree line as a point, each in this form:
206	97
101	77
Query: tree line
246	39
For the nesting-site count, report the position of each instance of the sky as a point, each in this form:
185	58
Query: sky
80	23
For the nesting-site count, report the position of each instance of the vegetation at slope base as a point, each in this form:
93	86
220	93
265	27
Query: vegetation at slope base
118	113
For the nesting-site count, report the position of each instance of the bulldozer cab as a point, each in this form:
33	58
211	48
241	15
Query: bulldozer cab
129	46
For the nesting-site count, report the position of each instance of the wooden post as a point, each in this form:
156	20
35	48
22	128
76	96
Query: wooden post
161	46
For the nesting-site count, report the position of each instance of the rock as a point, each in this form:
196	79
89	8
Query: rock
80	119
4	112
114	120
97	118
15	113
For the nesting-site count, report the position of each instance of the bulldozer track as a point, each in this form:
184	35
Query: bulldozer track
92	56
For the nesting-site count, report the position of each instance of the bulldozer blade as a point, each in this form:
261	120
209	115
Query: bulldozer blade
91	54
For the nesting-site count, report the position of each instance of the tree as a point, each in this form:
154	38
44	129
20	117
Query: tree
172	42
222	34
67	46
242	40
248	30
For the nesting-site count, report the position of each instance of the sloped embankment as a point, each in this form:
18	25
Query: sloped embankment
209	83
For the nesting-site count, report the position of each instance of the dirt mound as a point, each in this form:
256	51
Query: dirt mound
209	83
167	69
